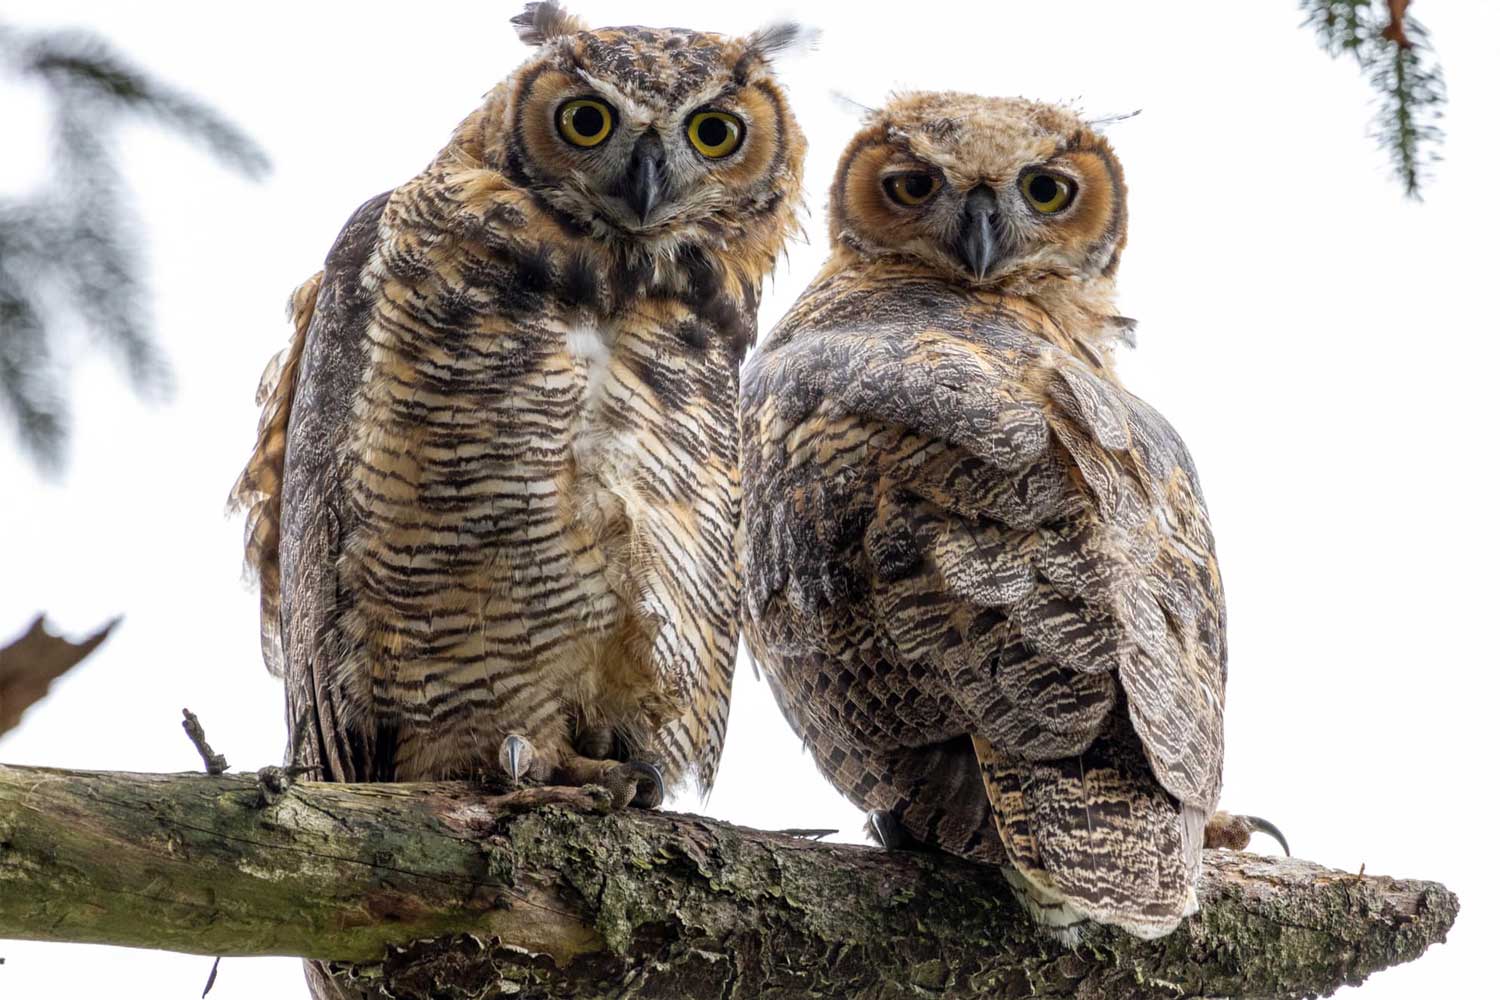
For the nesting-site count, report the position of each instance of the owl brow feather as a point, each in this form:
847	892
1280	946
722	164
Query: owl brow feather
941	128
898	136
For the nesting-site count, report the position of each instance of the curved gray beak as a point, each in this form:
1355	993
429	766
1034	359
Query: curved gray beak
982	240
645	177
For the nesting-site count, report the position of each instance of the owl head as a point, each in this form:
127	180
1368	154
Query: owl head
649	137
983	190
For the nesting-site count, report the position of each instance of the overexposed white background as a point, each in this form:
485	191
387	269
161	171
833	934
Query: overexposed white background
1325	347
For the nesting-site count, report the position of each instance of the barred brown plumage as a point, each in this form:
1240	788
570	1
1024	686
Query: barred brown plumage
496	488
980	575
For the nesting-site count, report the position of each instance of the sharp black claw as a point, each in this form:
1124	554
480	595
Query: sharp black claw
887	829
656	793
1268	828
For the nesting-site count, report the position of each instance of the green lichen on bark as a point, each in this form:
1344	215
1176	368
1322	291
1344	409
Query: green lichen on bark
441	892
687	909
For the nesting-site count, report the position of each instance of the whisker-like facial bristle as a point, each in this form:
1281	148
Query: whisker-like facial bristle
1106	120
850	105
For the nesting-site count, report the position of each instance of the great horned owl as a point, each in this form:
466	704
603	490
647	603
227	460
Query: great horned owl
495	493
979	572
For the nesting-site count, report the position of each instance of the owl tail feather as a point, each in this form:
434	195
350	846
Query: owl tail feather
1095	838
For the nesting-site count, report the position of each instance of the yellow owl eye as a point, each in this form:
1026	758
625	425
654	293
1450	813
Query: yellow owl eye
1048	193
585	122
715	134
911	189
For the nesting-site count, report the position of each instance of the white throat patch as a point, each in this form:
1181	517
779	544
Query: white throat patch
587	345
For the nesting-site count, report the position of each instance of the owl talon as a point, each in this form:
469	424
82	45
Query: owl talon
1265	826
516	756
887	830
650	787
1232	832
630	783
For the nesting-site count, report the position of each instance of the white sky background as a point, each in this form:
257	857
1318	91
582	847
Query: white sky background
1325	347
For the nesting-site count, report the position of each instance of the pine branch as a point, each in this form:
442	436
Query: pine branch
28	387
1394	52
73	248
85	69
436	890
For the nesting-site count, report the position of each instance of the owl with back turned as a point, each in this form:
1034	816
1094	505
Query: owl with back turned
495	494
979	572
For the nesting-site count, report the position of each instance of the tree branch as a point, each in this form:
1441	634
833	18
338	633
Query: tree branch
436	890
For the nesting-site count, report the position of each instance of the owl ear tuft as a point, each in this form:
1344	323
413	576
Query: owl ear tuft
539	23
774	39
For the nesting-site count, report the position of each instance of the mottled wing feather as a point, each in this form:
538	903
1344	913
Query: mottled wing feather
292	491
1034	488
980	508
983	506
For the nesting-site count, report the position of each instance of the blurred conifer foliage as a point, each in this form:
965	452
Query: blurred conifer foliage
70	251
1394	52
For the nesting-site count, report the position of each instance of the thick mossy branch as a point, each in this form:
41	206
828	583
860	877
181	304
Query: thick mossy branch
436	891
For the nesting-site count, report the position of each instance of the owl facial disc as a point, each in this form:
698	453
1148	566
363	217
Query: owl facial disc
991	191
649	141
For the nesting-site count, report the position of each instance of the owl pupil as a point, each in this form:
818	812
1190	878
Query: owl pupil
588	122
918	186
713	132
1043	188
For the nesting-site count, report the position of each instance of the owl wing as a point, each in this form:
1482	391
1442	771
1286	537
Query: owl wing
291	490
998	510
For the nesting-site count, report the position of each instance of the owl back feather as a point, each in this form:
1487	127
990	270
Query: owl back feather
931	477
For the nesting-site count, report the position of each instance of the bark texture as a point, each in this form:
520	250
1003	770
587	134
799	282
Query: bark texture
439	891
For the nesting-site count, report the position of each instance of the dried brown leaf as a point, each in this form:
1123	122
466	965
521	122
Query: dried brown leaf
29	665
